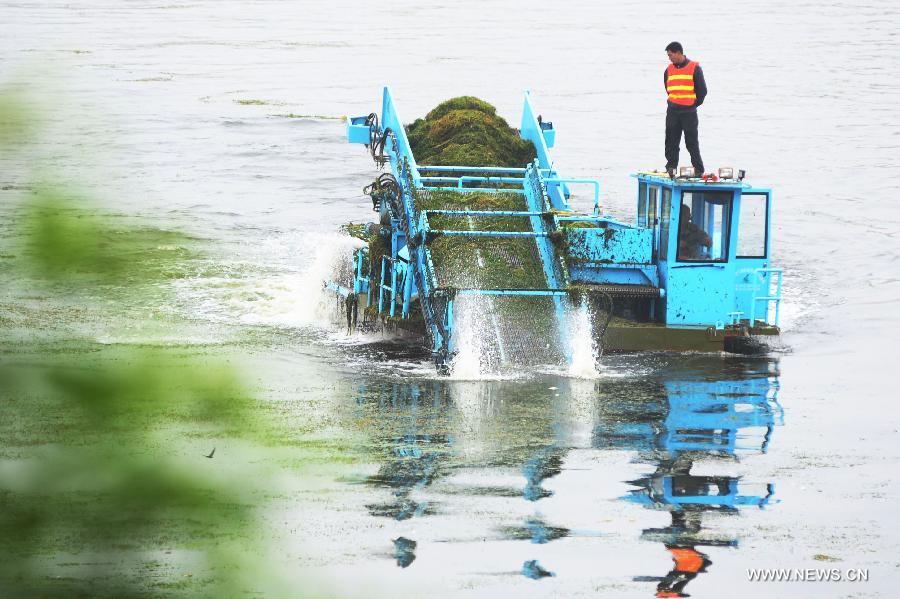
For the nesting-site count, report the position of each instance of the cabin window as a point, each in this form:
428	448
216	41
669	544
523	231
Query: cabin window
651	206
642	205
703	224
664	216
752	229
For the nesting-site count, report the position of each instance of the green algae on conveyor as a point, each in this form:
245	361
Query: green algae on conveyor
481	262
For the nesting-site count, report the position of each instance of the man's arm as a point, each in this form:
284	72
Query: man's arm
666	80
699	86
696	235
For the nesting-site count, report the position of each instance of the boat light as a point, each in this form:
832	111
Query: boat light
726	172
687	171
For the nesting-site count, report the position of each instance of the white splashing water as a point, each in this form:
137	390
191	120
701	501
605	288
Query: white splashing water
476	338
468	338
256	295
265	294
333	259
582	345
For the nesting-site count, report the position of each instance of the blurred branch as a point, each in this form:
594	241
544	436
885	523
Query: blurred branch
104	488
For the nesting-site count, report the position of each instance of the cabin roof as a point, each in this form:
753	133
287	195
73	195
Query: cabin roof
662	178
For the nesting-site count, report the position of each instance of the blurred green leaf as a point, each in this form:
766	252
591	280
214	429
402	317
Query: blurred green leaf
104	487
15	120
68	240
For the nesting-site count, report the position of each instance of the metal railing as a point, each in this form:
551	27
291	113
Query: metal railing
760	281
593	182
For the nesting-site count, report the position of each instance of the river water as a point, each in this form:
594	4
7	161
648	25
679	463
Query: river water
223	120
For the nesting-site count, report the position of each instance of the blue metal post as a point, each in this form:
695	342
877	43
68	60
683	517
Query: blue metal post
536	198
381	285
531	130
407	289
356	279
449	324
393	288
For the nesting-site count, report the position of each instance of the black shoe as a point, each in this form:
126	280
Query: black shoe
671	172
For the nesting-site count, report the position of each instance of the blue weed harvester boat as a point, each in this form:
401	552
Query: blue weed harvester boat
692	273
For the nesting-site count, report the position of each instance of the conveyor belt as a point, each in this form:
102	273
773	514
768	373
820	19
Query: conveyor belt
622	290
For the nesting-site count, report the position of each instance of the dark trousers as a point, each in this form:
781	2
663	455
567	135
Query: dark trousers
676	122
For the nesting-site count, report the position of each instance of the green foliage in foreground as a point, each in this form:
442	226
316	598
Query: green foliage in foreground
65	240
104	487
102	446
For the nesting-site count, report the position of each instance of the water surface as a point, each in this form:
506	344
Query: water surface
222	120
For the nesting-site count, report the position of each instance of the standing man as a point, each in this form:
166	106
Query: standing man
686	89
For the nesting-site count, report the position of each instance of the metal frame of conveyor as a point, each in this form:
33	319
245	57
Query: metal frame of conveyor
360	279
403	279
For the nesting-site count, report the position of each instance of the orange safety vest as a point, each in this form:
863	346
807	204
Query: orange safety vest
680	84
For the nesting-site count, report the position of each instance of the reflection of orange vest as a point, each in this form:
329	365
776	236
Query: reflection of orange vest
687	559
680	84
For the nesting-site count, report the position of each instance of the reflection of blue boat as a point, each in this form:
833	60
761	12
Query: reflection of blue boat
416	450
689	491
713	417
702	419
707	419
710	416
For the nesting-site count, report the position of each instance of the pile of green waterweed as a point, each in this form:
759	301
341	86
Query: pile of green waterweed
466	131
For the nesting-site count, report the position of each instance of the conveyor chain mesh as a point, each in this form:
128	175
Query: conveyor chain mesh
614	290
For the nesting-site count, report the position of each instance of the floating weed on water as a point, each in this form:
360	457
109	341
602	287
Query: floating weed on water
311	117
821	557
257	102
160	78
65	240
